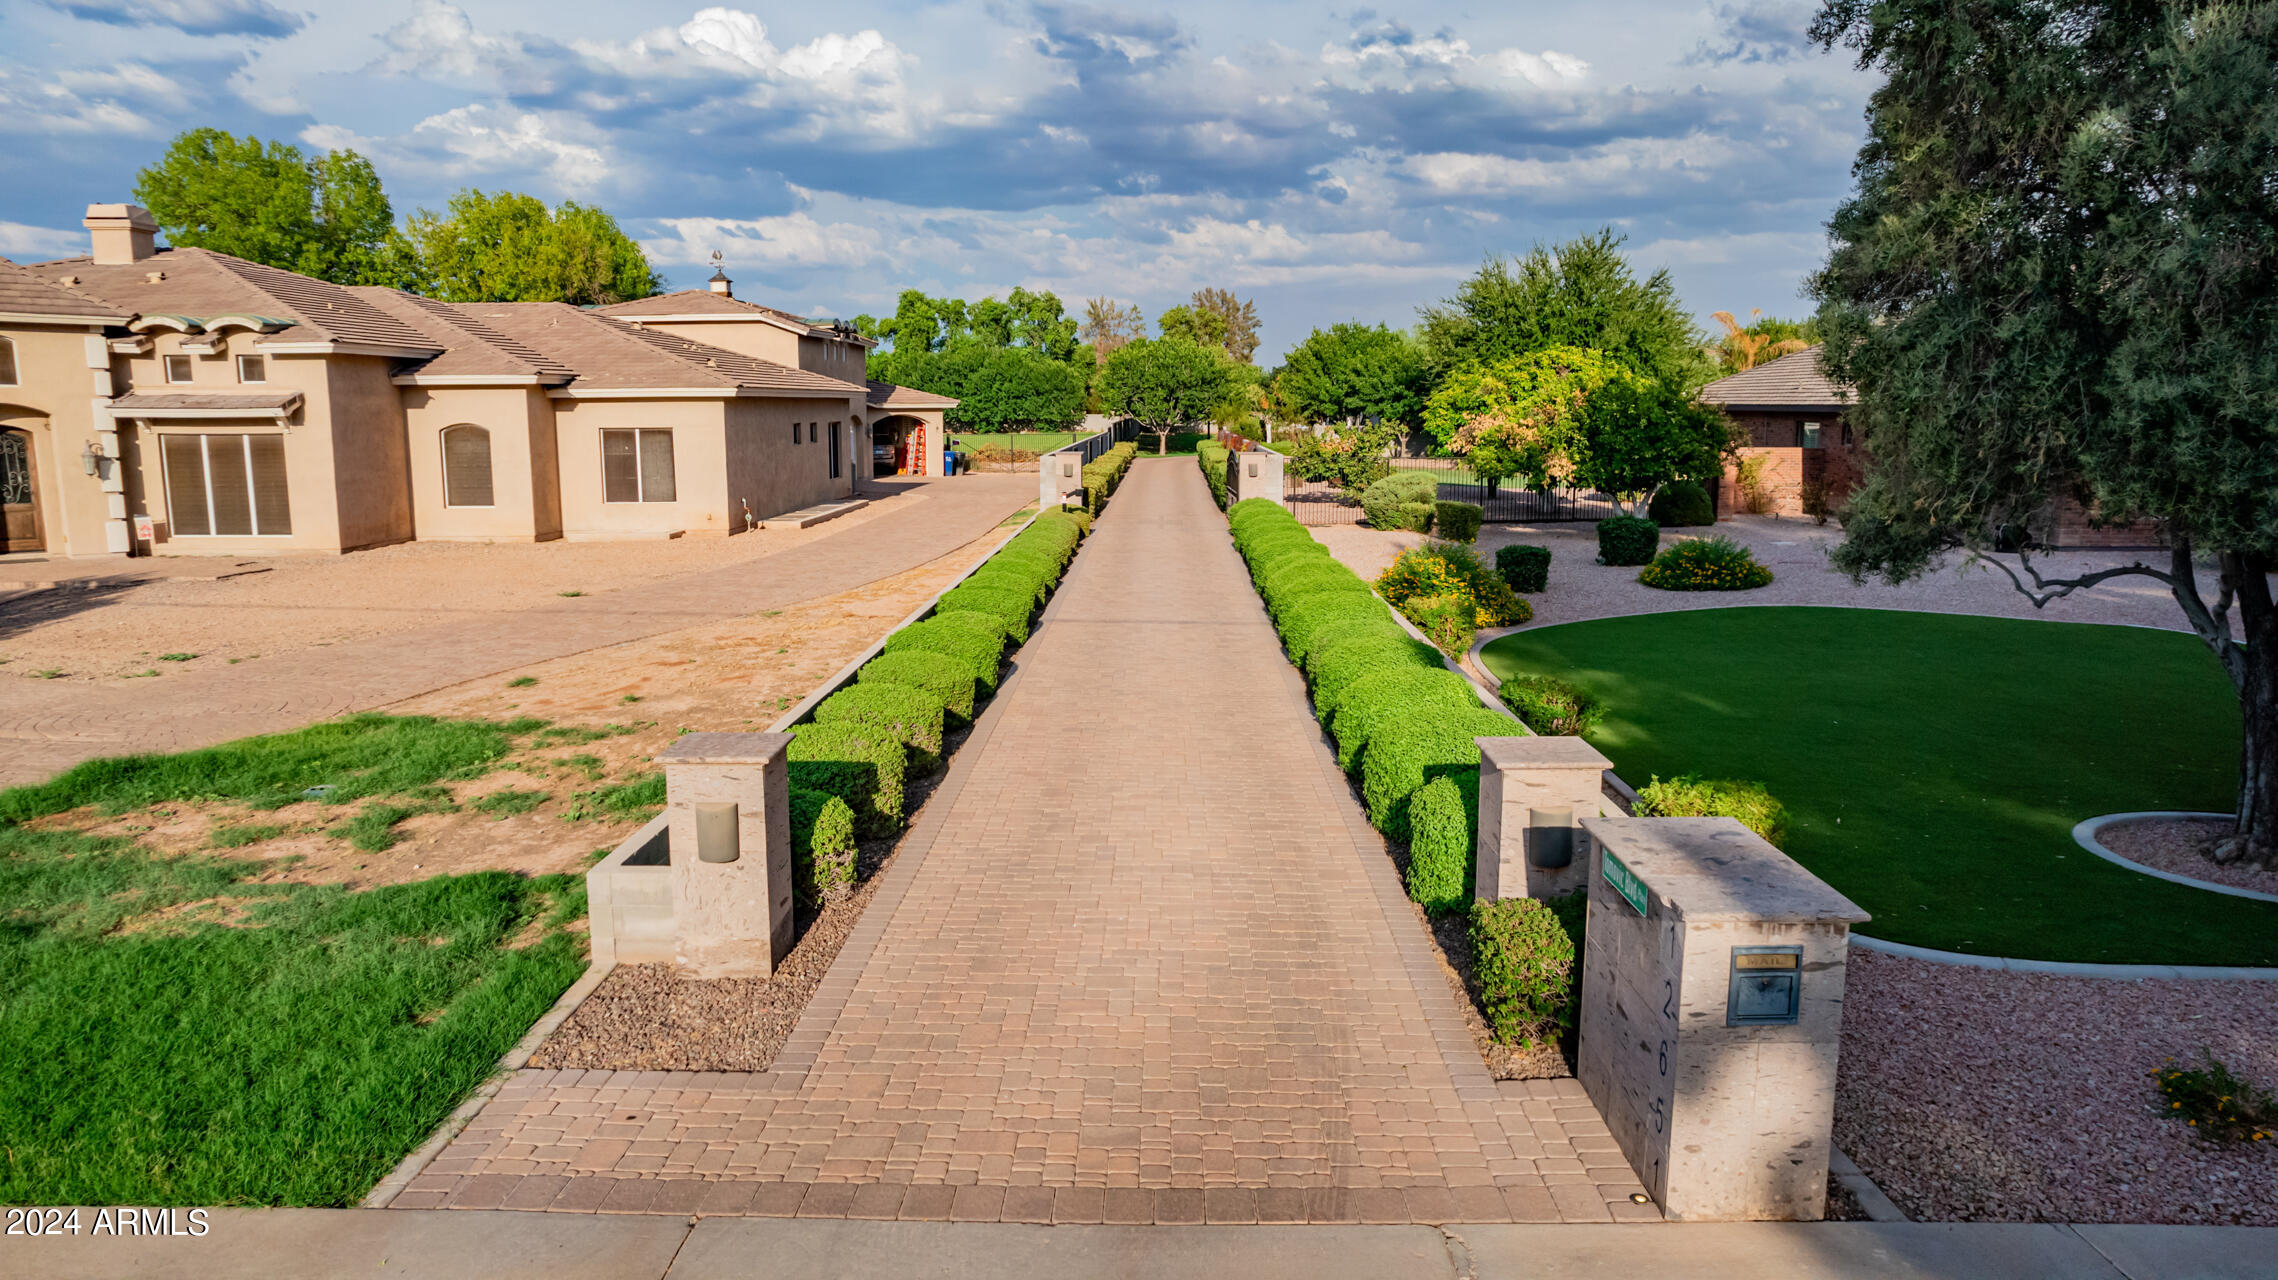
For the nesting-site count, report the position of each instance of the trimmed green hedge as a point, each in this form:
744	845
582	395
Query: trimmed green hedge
1338	664
1388	697
981	653
1457	521
822	846
1525	964
1402	500
1309	614
1525	566
1412	750
1440	829
1103	474
1212	456
862	766
910	715
1627	540
950	679
1006	603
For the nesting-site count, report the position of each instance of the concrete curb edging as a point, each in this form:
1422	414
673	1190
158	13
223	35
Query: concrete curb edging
388	1188
1877	1206
2069	968
2084	835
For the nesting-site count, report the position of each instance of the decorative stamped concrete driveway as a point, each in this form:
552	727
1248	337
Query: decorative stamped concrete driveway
45	729
1141	959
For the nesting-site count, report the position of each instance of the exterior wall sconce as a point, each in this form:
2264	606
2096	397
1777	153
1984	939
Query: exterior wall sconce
91	458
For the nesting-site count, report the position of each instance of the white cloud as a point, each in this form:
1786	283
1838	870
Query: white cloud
1625	167
492	140
794	240
1549	69
255	18
26	243
441	41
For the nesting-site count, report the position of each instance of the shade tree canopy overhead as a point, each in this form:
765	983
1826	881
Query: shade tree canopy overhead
1581	294
2058	276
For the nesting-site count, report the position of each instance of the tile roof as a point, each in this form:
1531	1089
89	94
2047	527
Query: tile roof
472	348
164	401
200	284
26	292
886	395
607	354
693	302
1793	381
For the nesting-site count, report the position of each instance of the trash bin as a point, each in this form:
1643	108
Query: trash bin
949	461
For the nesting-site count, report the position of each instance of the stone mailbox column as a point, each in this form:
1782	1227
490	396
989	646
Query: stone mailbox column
1712	1009
1256	473
727	806
1059	474
1533	795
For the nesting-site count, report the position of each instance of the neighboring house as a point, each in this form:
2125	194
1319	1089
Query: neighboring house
179	401
1793	419
907	426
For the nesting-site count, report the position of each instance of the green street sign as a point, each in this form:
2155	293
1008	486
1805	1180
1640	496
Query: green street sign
1625	882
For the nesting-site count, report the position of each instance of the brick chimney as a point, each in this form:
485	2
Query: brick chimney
122	233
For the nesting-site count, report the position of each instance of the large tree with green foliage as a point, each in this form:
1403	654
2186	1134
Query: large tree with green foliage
2059	276
1017	389
1166	383
1570	416
267	202
1579	294
508	247
1348	372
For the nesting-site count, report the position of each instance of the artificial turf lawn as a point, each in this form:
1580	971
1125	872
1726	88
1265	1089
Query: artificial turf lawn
176	1034
1934	765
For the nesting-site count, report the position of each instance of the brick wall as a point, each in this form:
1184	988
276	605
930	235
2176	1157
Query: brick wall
1836	461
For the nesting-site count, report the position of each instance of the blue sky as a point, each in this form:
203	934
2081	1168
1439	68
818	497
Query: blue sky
1332	164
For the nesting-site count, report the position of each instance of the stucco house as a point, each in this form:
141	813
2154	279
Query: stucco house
1792	418
179	401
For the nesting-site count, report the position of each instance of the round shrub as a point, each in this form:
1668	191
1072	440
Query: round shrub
904	712
1524	567
1627	540
1412	750
861	766
1254	510
1681	503
1391	696
1451	569
949	633
1080	521
1025	579
1031	559
1267	561
950	679
1524	963
1450	621
1009	604
1402	500
1298	623
1441	822
1343	633
1336	671
1706	564
1295	583
1457	521
822	846
1692	796
1263	544
1552	707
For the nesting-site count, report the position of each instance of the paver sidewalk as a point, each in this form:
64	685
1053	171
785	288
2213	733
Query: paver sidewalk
48	728
1141	960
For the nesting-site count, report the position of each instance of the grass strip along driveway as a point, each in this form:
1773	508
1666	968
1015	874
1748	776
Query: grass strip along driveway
1933	765
177	1034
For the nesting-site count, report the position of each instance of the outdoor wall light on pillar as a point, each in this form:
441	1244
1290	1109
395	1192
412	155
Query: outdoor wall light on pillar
1550	838
716	837
1532	793
728	795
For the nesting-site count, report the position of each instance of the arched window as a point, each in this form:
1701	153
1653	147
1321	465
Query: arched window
7	363
466	467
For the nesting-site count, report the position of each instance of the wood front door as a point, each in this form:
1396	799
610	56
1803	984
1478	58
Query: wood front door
19	490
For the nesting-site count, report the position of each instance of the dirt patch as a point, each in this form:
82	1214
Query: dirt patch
1983	1095
2178	847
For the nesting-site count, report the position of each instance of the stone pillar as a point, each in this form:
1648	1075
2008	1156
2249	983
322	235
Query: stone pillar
1254	473
727	803
1533	795
1712	1011
1059	474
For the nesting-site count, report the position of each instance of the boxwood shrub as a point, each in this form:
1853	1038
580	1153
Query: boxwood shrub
951	679
822	846
1336	670
1457	521
1414	749
1442	817
910	715
1211	457
1525	965
1627	540
1692	796
1006	603
1030	580
1681	503
1524	566
1252	510
1402	500
982	653
859	765
1301	620
1552	707
1390	696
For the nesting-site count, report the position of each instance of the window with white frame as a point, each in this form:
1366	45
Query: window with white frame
636	465
252	369
178	368
466	466
226	485
7	363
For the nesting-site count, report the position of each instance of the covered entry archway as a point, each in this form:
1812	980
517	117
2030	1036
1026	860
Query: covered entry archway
21	526
900	445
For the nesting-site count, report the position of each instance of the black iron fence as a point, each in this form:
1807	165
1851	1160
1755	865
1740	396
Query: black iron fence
1316	503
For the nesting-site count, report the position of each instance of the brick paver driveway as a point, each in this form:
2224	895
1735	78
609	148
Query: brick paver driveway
47	728
1141	959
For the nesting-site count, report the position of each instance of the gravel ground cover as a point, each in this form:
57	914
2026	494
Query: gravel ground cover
1983	1095
2174	844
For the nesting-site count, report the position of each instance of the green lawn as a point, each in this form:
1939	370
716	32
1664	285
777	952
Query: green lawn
177	1034
1025	441
1934	765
